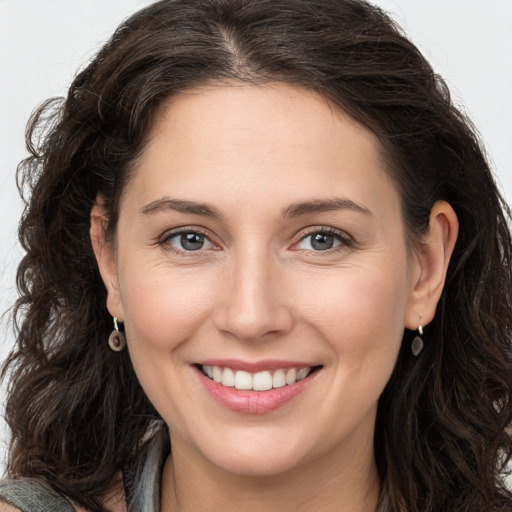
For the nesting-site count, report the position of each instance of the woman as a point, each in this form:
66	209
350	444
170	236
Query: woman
267	268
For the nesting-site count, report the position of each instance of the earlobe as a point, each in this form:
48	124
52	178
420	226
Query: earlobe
432	257
105	258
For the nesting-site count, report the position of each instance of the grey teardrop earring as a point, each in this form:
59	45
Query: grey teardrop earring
417	342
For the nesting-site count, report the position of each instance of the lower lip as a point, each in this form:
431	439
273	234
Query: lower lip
254	402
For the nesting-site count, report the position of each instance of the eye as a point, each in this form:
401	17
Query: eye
322	240
188	241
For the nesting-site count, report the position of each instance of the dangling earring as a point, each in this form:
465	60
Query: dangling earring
116	340
417	342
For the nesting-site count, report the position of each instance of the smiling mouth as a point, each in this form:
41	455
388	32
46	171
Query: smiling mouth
258	381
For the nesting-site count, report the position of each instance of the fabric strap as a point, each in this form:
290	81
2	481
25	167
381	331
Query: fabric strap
32	495
143	476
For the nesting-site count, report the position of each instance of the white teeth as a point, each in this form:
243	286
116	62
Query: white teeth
217	374
303	373
279	379
262	381
228	377
291	376
243	380
259	381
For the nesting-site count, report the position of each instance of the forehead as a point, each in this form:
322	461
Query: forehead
240	140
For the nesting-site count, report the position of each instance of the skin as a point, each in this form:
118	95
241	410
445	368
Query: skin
259	290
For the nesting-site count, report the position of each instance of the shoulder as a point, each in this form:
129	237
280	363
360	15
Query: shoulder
34	495
5	507
31	495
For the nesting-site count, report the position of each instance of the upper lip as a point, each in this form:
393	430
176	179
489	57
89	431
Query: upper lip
255	366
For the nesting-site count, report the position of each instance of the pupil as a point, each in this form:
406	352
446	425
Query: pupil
322	242
192	241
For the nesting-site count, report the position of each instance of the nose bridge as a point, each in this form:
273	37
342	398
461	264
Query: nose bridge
253	304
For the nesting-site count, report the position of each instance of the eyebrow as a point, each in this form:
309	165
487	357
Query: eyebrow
294	210
323	205
178	205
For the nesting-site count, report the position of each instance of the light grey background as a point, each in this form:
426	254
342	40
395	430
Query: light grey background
43	43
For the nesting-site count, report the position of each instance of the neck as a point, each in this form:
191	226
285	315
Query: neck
345	480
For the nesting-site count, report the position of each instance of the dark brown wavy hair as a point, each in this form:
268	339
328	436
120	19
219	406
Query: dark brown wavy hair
75	408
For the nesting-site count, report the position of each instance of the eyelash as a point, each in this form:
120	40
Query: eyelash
165	239
344	240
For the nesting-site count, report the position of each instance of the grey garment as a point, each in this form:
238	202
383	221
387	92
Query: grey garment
33	495
141	481
143	476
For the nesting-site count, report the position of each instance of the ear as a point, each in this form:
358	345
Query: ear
431	259
106	258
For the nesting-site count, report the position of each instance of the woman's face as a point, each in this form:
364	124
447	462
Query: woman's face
260	240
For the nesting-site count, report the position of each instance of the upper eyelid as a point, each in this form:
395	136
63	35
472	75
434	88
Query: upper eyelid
184	229
323	229
346	240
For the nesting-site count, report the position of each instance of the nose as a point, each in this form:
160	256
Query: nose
253	304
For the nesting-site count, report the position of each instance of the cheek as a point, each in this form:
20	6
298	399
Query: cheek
360	313
360	317
164	310
366	298
163	306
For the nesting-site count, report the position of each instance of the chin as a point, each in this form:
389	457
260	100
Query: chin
256	459
257	466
